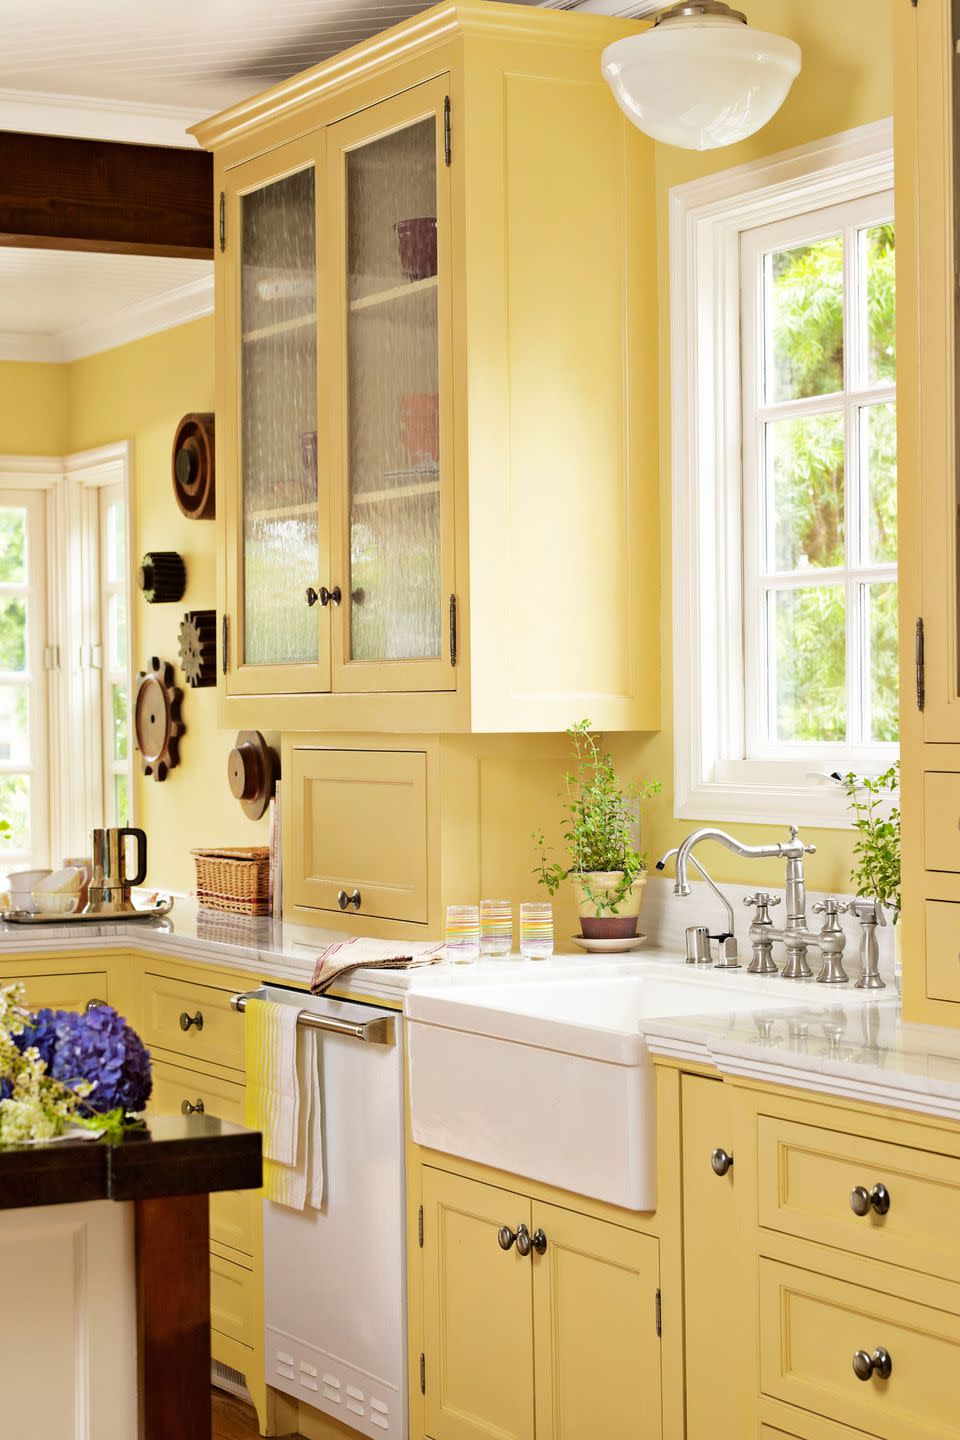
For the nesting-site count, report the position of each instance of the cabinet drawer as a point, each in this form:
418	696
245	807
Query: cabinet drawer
941	821
812	1326
233	1307
233	1213
358	822
943	949
64	992
215	1032
807	1176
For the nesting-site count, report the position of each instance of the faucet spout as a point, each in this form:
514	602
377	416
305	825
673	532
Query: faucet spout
728	908
749	852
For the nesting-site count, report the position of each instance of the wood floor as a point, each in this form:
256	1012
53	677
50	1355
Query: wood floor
232	1420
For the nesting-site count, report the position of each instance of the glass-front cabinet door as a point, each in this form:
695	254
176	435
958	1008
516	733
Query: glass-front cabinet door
389	384
278	585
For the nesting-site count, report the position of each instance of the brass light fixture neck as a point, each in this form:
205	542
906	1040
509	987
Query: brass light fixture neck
698	9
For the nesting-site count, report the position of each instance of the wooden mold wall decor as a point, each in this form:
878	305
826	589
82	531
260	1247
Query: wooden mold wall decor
198	648
253	769
156	719
194	469
162	577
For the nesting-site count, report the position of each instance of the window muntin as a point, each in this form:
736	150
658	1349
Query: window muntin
115	699
819	484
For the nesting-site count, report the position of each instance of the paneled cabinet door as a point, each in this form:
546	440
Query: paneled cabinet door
478	1312
272	462
595	1327
389	386
712	1277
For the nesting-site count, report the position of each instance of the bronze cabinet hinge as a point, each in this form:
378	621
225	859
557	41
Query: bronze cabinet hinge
920	659
420	1227
223	222
447	147
453	629
659	1316
423	1373
224	643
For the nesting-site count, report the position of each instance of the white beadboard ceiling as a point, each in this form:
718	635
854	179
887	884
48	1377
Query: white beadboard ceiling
138	71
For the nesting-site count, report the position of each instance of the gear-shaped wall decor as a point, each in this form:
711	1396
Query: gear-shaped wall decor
156	719
198	648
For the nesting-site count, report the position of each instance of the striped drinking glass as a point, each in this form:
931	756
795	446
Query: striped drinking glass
536	930
496	927
463	933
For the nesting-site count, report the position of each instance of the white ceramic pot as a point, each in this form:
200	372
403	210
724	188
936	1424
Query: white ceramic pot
610	925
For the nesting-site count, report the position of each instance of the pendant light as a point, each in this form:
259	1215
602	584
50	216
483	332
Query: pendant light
701	77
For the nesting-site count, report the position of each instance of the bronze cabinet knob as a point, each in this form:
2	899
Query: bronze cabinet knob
865	1366
187	1109
186	1021
720	1162
862	1200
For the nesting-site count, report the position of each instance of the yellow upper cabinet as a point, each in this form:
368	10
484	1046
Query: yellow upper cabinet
436	386
929	495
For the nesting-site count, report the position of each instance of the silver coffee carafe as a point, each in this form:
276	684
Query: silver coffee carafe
111	882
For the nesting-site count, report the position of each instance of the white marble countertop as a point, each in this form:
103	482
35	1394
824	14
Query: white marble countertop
839	1041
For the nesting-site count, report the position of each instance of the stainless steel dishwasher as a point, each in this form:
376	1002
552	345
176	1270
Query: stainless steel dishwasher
335	1278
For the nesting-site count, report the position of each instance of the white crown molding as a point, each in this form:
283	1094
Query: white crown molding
161	312
149	317
30	472
37	349
622	9
38	112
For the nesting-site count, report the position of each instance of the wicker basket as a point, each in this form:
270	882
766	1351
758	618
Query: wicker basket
237	880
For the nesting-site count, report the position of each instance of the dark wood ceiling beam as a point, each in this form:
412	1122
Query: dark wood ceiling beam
66	194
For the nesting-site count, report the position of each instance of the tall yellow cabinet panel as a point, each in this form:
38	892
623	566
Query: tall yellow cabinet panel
478	1312
437	379
595	1326
926	98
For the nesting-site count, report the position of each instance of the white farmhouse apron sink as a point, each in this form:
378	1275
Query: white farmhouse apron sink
550	1078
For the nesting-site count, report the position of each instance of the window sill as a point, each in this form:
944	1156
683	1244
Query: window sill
821	805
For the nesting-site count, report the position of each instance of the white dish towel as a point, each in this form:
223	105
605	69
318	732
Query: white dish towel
284	1102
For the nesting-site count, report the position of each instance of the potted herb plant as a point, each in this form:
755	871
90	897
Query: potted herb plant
876	819
607	870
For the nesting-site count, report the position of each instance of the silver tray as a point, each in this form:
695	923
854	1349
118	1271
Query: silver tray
97	917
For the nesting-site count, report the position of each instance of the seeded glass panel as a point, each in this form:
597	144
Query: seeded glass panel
121	722
884	673
395	611
15	809
121	799
879	459
880	254
803	317
13	545
13	634
279	430
14	725
809	665
805	510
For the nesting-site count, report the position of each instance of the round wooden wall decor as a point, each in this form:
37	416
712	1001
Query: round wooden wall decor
253	770
198	648
156	719
193	467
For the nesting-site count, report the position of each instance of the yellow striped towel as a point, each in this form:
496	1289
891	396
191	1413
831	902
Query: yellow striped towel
283	1102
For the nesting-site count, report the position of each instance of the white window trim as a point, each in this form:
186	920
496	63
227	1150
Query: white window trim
73	756
707	218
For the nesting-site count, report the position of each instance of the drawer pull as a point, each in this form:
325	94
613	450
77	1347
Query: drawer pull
187	1020
862	1200
506	1237
187	1109
865	1366
345	901
540	1242
93	1004
721	1162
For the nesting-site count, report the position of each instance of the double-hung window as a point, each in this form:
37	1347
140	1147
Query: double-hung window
23	676
783	321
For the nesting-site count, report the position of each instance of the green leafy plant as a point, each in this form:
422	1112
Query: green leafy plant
876	871
601	813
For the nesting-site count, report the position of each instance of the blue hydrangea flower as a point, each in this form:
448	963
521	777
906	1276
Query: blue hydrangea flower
99	1047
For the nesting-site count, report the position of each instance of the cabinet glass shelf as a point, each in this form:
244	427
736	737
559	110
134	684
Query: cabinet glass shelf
395	292
280	327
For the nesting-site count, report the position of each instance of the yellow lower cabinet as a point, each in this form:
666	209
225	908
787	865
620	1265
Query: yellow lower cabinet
478	1312
712	1273
595	1329
860	1356
64	992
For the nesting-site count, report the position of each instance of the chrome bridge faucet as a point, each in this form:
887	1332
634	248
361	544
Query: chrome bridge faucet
796	938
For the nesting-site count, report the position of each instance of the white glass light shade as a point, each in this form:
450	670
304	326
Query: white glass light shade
701	82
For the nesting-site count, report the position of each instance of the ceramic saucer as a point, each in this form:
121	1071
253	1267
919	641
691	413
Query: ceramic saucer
608	947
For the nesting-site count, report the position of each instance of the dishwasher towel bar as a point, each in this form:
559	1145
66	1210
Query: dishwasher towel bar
378	1031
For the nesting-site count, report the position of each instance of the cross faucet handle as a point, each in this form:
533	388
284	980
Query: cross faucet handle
830	905
762	898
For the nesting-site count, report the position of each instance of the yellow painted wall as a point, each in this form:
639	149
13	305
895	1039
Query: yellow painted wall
33	408
846	81
139	392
